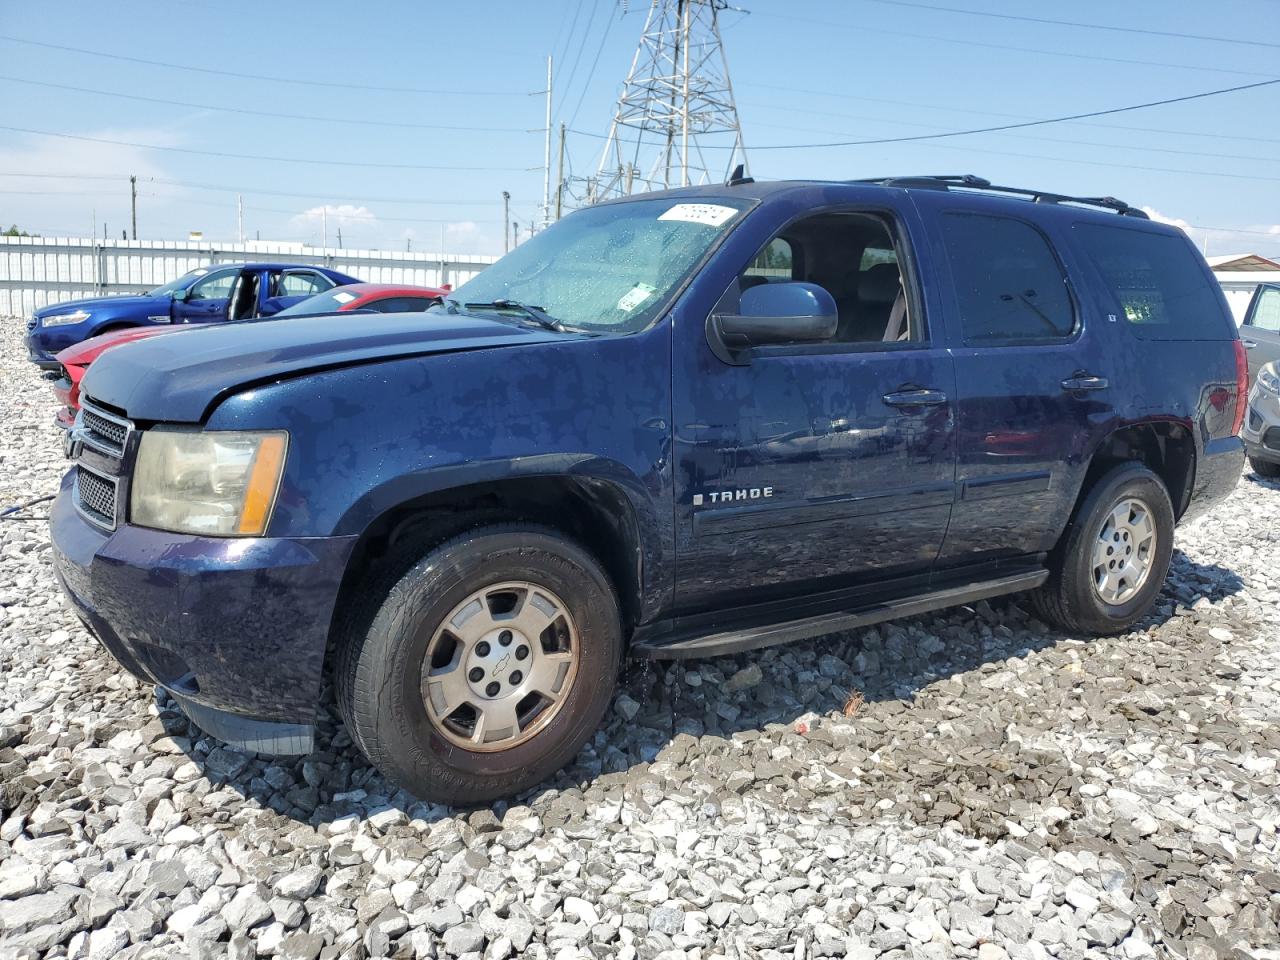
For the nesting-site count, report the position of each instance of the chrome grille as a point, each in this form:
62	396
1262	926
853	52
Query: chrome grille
102	431
96	497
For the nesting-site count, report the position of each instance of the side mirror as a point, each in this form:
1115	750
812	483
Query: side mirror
791	312
180	294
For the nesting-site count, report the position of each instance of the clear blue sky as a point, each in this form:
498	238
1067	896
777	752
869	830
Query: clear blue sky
804	70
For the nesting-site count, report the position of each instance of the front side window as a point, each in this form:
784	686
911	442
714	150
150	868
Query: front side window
605	269
1157	281
216	286
1009	285
852	256
1266	315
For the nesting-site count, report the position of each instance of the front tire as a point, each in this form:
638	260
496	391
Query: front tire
485	668
1108	568
1264	468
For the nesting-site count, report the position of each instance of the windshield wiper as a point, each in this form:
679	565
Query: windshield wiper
536	314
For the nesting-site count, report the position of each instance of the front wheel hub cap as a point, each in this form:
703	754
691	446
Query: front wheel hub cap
1124	551
499	667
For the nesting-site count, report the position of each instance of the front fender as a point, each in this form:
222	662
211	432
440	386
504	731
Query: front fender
365	439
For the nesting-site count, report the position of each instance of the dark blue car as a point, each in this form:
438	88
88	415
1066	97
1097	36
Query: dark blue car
232	291
675	425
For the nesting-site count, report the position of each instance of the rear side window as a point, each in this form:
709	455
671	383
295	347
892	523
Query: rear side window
1157	282
1009	285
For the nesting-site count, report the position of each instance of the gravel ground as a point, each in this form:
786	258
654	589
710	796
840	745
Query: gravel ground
961	785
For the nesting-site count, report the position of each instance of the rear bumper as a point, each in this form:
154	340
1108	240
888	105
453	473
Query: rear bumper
235	629
1218	470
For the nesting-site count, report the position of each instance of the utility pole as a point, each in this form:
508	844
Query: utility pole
515	234
441	283
240	216
560	175
684	107
133	204
324	220
506	221
546	156
339	236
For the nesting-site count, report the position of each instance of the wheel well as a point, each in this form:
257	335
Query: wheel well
1166	449
594	513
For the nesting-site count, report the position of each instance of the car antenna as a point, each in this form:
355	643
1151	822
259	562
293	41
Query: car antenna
739	176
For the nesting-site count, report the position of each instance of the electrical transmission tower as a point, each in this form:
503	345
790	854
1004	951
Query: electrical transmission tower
676	123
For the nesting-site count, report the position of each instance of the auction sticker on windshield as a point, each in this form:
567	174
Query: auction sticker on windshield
344	297
708	214
636	296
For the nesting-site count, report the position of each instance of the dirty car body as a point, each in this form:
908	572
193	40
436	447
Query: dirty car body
738	489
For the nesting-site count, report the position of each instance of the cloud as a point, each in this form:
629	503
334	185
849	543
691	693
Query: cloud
338	214
1224	240
77	182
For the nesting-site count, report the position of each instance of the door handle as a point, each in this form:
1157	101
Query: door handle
1249	344
915	398
1084	382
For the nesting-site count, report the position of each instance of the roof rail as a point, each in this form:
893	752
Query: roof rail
967	181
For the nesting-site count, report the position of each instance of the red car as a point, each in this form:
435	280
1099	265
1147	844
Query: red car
365	297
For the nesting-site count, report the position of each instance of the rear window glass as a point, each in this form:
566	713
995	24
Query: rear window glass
1157	281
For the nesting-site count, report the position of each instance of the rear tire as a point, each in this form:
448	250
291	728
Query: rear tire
485	668
1111	562
1264	468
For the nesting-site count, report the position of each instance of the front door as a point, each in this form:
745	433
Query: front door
1261	329
1034	382
816	468
206	298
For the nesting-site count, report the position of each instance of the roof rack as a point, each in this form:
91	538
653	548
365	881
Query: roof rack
968	181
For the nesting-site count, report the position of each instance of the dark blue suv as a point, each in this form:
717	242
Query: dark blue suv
675	425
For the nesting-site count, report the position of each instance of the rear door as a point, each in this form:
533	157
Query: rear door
1260	331
1033	378
287	287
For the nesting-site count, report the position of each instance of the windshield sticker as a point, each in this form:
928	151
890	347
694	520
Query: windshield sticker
707	214
344	297
636	296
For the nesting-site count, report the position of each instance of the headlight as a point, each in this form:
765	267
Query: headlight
218	483
64	319
1268	379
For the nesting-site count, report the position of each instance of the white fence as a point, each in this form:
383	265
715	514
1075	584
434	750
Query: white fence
36	271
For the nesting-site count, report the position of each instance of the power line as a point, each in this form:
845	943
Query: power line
264	113
1128	128
1218	154
915	5
577	57
258	76
1022	124
252	156
964	41
222	188
586	84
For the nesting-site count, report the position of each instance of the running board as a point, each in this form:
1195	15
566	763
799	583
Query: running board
749	638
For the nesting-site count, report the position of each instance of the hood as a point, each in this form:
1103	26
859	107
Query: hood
179	379
86	351
96	303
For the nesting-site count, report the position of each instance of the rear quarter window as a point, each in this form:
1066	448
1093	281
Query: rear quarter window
1157	282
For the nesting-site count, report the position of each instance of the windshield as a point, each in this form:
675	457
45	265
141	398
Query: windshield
331	301
609	268
180	284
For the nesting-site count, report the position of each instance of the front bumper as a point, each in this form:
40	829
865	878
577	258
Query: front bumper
38	353
235	629
1261	429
